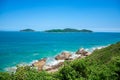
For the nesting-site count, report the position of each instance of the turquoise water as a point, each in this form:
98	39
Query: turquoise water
24	47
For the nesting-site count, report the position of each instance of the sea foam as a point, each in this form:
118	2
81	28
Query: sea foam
51	60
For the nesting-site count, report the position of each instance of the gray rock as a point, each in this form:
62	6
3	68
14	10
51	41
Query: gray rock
82	52
40	64
64	55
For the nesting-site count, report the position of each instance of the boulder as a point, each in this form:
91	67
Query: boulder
87	54
47	67
64	55
58	65
82	52
40	64
54	67
69	59
80	57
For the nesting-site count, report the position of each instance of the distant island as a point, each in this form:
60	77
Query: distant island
68	30
27	30
59	30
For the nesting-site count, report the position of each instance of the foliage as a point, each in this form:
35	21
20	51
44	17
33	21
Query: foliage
5	76
68	30
27	30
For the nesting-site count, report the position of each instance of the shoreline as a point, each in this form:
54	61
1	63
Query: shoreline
50	61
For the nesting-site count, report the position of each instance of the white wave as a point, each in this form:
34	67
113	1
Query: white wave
54	62
35	54
74	56
10	69
51	60
13	68
97	47
33	62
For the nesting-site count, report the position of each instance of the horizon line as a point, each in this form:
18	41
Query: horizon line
56	32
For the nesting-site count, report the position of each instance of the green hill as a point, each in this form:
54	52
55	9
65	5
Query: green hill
68	30
104	56
103	64
27	30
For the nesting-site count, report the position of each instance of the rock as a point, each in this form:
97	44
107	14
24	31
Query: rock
40	64
80	57
58	65
47	67
52	71
54	67
64	55
69	59
87	54
82	52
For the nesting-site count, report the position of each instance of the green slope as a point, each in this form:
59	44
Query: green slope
104	56
103	64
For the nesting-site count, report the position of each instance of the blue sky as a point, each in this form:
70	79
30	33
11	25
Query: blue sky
96	15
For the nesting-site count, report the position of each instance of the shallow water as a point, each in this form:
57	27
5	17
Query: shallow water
24	47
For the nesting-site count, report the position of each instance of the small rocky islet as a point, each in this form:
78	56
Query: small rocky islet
64	56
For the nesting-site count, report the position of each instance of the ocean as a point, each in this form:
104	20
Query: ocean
26	47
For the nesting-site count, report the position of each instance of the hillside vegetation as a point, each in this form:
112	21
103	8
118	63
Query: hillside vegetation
27	30
68	30
103	64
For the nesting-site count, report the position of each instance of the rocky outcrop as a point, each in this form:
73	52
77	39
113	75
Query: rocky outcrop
80	57
87	54
69	59
82	52
58	65
40	64
55	67
63	56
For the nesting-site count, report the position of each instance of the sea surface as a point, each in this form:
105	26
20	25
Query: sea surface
26	47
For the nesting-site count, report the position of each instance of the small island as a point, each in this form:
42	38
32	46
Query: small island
27	30
68	30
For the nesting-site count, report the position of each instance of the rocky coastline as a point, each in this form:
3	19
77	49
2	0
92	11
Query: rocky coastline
64	56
